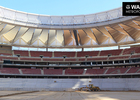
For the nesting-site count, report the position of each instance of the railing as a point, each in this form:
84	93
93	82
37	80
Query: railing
22	17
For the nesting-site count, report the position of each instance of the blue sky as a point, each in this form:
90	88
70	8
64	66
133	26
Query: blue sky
62	7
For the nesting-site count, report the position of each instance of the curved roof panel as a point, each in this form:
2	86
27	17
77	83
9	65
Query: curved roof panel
108	28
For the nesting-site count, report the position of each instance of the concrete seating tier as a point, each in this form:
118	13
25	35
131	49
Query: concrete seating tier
31	71
73	71
95	71
21	53
135	56
110	52
87	53
97	58
116	70
9	70
131	50
53	71
8	58
31	59
7	54
134	70
82	59
40	53
53	59
67	54
119	57
68	59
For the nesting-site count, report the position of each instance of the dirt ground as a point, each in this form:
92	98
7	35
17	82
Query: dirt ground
43	95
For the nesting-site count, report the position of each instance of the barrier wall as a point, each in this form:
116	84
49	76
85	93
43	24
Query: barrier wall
68	84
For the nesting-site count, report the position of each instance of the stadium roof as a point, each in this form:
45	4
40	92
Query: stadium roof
107	28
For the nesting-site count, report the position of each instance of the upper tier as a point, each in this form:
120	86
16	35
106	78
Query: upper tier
59	22
103	29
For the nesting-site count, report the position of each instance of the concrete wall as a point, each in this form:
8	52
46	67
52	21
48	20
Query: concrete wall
68	84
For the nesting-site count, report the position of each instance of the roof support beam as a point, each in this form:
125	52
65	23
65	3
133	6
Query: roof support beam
124	30
130	26
15	36
127	32
136	23
110	35
76	38
31	38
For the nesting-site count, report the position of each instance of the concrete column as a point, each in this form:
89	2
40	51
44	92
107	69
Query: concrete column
29	53
46	49
118	47
124	61
82	49
52	54
1	66
102	62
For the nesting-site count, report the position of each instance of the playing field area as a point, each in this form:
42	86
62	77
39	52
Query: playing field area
71	96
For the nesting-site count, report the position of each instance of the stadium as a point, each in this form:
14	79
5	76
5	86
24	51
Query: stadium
29	64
